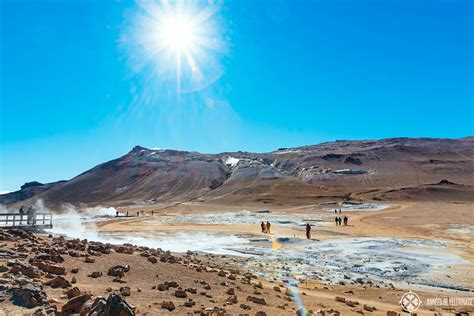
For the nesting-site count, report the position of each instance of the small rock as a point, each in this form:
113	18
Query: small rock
340	299
95	274
125	291
256	300
245	306
169	305
58	281
73	292
180	294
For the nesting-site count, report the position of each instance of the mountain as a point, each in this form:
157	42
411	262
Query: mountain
387	169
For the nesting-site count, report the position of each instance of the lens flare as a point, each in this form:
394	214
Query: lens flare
293	286
275	245
179	43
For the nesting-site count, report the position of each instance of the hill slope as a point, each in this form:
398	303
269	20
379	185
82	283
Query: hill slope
382	169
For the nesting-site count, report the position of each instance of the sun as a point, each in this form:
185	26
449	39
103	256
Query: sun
178	42
177	33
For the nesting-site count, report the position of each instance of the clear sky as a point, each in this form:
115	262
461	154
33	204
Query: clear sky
292	73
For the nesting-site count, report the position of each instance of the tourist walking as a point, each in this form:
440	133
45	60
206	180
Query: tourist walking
308	231
345	220
268	227
262	225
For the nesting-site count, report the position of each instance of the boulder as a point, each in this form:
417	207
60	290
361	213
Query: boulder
24	268
53	256
74	305
29	295
152	259
117	306
58	281
50	268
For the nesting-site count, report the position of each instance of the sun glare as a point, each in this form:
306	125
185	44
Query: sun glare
177	33
178	43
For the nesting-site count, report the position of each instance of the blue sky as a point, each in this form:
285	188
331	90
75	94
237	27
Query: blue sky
294	73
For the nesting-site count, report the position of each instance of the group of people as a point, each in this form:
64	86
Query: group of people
30	214
265	227
339	220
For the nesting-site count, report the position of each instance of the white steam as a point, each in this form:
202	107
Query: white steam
81	224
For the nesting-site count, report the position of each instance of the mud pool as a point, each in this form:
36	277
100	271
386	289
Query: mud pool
347	260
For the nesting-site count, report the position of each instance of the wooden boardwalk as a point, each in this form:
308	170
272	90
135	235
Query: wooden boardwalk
16	220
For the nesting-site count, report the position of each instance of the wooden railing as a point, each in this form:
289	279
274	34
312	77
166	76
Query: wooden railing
40	220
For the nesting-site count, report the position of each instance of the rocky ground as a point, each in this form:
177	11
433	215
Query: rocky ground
43	275
46	275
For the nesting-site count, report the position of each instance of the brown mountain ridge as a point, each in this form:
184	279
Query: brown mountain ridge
387	169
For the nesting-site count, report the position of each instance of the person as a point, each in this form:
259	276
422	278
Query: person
340	221
31	215
263	227
138	213
345	220
337	221
268	227
308	231
152	212
116	214
335	211
22	210
340	211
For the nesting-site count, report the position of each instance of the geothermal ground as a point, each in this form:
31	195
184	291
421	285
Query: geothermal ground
384	252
